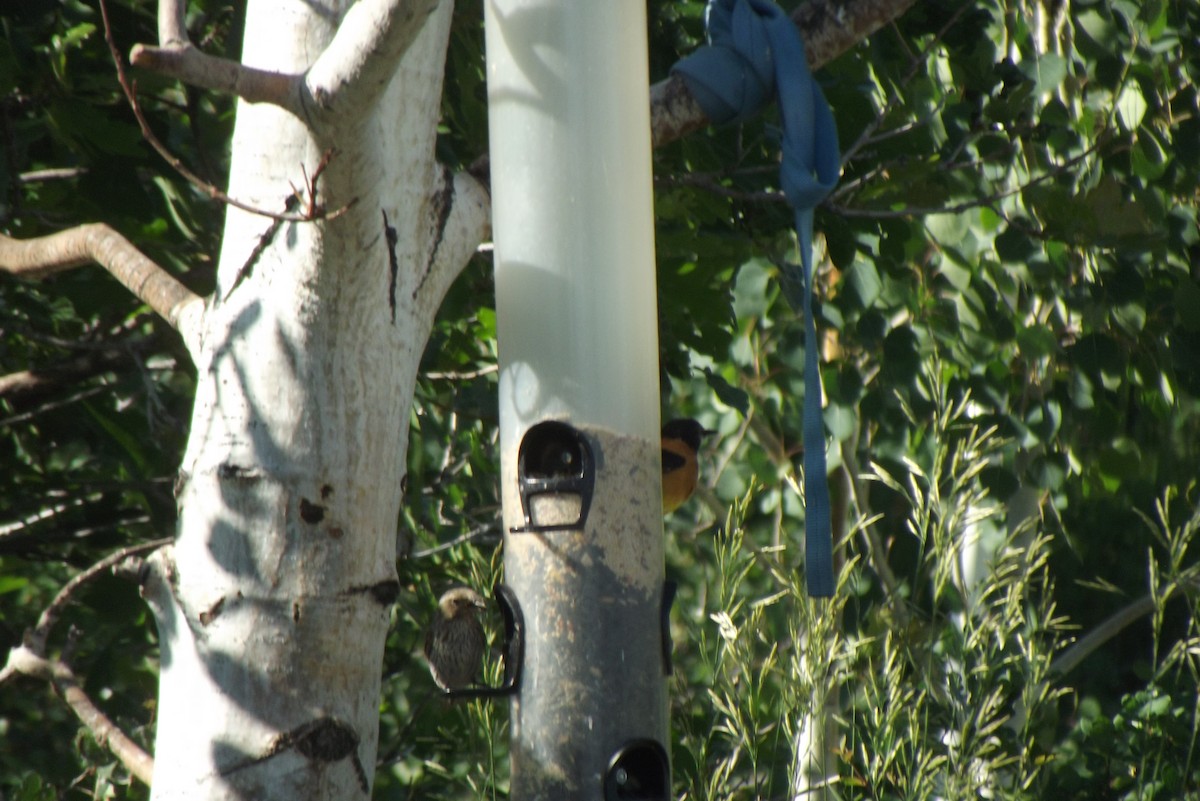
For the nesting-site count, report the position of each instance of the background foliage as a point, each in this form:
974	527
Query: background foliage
1010	307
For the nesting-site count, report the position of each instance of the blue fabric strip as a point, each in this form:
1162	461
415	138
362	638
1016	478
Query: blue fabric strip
755	54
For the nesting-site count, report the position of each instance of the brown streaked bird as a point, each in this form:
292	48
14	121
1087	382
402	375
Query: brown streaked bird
455	642
680	442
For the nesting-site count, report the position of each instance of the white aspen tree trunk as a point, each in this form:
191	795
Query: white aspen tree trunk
273	604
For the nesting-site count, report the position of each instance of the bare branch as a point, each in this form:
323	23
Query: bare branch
57	404
24	383
829	28
468	375
484	530
55	174
22	660
29	659
369	43
185	62
176	57
13	529
154	286
1117	622
713	185
172	18
876	553
674	112
37	638
130	90
89	358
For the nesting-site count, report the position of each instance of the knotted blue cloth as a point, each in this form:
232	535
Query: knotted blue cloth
754	55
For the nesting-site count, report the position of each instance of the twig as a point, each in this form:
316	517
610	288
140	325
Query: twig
188	63
462	376
708	184
177	58
1069	659
29	659
310	184
37	638
130	89
69	372
989	201
916	61
52	174
351	71
876	553
47	407
24	661
475	533
45	513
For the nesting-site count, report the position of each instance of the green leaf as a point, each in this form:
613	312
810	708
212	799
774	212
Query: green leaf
728	394
12	584
1148	158
751	287
1036	341
129	443
76	35
841	421
1131	106
1187	304
1047	71
1013	246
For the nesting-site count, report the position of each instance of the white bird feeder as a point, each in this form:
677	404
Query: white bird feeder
577	326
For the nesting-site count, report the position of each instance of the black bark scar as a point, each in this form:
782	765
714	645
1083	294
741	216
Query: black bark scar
290	205
383	593
310	512
389	233
321	740
441	206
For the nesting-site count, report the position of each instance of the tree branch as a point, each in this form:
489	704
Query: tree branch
829	28
1115	623
29	659
88	358
370	41
130	89
185	62
359	63
24	661
176	57
26	383
36	639
154	286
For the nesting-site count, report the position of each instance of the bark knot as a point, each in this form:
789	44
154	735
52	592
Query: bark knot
311	513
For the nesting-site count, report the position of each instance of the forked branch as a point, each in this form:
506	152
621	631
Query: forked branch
129	87
370	41
106	733
29	659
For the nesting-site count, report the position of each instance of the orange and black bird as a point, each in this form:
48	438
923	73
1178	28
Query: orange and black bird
455	642
680	442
